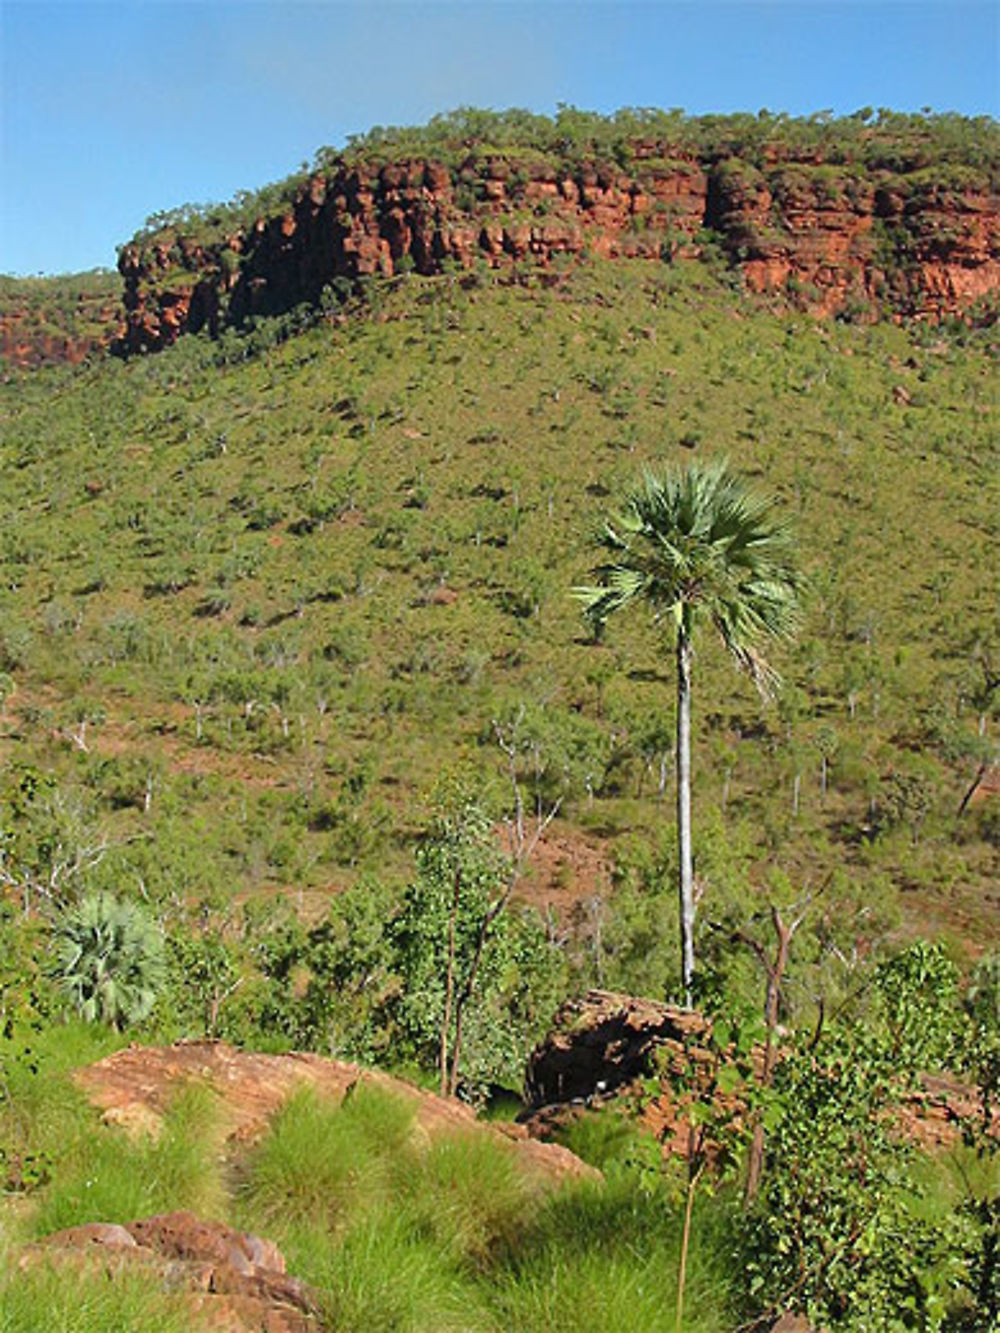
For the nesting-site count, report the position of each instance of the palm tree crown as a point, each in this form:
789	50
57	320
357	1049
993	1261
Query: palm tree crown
700	540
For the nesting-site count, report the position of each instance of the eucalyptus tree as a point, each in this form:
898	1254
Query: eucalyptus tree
697	545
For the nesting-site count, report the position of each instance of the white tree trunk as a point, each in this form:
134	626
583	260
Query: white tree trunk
685	864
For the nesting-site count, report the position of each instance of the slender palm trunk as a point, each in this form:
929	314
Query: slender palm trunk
449	987
685	876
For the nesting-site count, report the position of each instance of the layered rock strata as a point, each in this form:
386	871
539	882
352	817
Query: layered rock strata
831	238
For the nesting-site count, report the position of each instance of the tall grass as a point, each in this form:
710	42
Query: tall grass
605	1257
384	1225
320	1163
102	1175
58	1300
449	1235
386	1275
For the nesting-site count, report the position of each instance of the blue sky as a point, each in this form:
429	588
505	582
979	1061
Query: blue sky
112	111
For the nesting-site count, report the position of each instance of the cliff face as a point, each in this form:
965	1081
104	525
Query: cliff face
31	336
829	238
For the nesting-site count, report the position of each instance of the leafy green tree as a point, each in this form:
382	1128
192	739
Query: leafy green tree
346	1007
478	978
108	960
917	990
692	546
833	1233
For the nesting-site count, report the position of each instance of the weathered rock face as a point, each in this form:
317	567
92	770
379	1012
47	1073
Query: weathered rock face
604	1042
829	237
236	1279
604	1046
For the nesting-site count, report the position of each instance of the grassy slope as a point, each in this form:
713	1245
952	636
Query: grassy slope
261	543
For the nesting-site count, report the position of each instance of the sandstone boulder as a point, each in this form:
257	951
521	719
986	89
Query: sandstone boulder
133	1087
236	1279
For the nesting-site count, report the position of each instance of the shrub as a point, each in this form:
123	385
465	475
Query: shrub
109	960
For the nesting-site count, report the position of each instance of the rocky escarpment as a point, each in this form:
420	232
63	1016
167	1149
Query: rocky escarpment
46	321
921	243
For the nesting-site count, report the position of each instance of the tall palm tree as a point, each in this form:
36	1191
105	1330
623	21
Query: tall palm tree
698	545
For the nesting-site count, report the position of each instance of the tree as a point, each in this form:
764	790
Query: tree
698	545
475	975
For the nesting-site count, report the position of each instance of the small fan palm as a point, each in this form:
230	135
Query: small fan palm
108	960
698	545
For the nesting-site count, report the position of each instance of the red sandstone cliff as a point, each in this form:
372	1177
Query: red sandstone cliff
830	238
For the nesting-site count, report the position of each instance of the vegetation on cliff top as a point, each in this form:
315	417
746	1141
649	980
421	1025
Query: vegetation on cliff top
632	139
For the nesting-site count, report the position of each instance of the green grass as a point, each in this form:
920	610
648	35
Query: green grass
317	1159
384	1274
244	649
607	1257
398	1231
100	1174
95	1173
411	1236
224	653
51	1298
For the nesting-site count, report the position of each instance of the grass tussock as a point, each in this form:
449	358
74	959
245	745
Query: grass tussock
605	1258
45	1298
320	1161
102	1175
386	1274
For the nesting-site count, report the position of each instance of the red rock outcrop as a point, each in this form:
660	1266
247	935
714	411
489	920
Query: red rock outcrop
235	1279
134	1086
828	237
31	337
605	1041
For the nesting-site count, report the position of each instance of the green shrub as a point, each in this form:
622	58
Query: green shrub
108	960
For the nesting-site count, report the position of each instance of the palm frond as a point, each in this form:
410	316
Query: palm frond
700	541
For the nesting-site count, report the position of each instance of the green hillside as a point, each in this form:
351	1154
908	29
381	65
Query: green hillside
268	603
291	585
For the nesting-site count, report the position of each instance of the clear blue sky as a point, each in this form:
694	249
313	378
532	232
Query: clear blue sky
112	111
